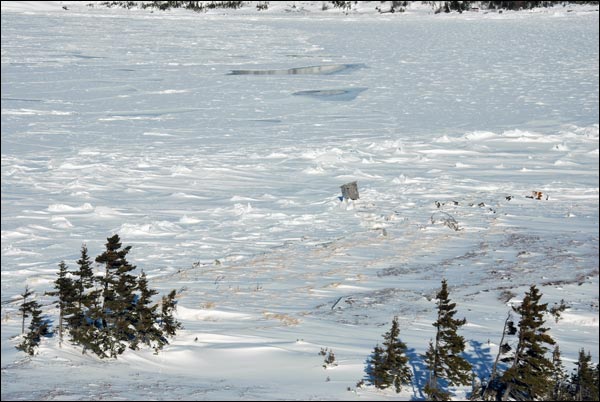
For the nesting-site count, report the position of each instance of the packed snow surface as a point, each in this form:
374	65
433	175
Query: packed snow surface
216	144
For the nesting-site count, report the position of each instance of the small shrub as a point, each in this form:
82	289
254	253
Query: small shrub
329	357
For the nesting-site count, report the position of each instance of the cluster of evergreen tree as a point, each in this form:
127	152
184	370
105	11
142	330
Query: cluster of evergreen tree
446	6
38	326
106	313
443	357
533	373
460	6
529	372
388	365
167	5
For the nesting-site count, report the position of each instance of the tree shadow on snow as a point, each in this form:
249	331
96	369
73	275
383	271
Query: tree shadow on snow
481	360
420	373
418	368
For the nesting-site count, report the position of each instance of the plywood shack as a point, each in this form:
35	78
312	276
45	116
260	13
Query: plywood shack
350	191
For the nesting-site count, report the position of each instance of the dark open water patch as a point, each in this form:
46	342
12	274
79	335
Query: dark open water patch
344	94
147	113
313	70
275	121
22	100
83	56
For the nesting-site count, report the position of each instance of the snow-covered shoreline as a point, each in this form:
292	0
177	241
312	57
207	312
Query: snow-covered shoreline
322	9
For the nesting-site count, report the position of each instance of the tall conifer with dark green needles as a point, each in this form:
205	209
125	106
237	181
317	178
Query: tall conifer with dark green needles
25	307
66	293
388	365
85	281
432	389
396	361
147	317
169	324
530	374
443	356
118	297
597	376
88	312
125	303
559	390
585	378
38	327
378	375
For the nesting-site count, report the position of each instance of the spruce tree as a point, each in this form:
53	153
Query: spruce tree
559	390
396	361
82	324
597	376
432	388
118	297
169	324
26	306
146	318
66	293
85	281
388	365
124	304
376	371
584	379
38	327
530	373
443	357
112	259
91	334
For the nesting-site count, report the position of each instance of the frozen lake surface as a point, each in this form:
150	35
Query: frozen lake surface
184	133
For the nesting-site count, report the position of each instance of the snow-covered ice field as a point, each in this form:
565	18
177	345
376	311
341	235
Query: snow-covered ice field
207	144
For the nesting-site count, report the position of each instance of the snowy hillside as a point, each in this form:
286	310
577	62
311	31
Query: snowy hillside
215	144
